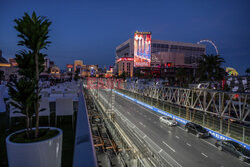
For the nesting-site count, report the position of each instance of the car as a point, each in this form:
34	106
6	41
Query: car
168	120
197	130
234	148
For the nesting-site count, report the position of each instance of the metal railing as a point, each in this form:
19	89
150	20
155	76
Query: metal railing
224	126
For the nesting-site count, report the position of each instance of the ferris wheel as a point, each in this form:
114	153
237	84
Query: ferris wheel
209	41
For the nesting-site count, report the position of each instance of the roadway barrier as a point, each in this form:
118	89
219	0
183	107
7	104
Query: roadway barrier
214	134
84	151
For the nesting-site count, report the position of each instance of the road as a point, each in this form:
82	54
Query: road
183	149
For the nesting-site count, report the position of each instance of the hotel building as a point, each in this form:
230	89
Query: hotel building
161	54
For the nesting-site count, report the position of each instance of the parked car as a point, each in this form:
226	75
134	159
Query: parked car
197	130
234	148
168	120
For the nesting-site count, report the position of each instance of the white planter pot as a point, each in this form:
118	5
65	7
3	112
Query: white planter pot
46	153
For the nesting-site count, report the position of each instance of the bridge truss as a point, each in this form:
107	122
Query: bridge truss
229	105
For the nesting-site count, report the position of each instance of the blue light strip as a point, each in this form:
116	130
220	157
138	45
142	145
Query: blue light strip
214	134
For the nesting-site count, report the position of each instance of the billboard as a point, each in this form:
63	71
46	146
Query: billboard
142	49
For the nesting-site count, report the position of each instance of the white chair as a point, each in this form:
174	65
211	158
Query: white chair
56	94
64	107
69	95
44	104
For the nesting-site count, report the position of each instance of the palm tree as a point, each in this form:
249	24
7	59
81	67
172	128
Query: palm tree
181	75
33	32
209	68
247	71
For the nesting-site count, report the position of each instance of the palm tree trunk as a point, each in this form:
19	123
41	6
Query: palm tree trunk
37	96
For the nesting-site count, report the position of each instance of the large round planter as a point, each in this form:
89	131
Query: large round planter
46	153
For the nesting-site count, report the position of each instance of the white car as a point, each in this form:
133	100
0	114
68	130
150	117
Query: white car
168	120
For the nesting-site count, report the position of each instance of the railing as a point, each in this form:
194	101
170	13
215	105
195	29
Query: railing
219	128
84	152
228	105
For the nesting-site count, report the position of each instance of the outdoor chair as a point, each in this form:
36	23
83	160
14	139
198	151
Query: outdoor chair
64	107
44	104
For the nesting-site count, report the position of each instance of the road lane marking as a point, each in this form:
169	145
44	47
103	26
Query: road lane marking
169	131
177	137
142	124
168	146
168	162
204	155
129	113
208	143
188	144
160	151
181	128
176	163
247	163
154	122
149	119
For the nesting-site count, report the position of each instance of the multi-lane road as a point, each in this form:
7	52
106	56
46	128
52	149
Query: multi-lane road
181	148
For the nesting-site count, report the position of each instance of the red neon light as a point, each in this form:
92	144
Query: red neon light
125	59
236	96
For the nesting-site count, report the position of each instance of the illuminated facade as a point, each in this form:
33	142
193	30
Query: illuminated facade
150	53
7	68
231	71
13	62
125	66
142	49
55	72
78	64
69	68
89	71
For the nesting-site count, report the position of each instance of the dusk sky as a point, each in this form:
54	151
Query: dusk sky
91	30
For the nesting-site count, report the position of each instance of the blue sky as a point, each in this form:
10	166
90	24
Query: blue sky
90	30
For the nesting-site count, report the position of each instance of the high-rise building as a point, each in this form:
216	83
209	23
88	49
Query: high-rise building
151	53
46	64
78	64
125	66
69	68
7	68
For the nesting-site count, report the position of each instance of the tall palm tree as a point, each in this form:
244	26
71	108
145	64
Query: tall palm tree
33	31
181	75
209	68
